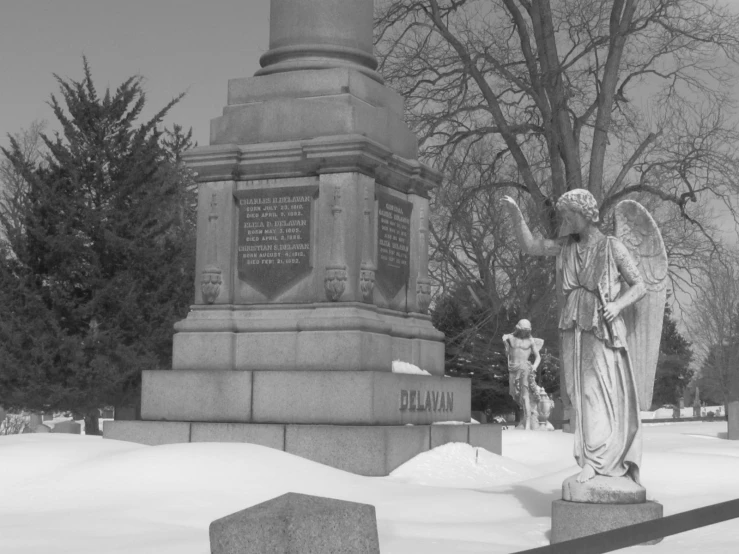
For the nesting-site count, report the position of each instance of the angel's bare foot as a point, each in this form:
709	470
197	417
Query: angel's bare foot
586	474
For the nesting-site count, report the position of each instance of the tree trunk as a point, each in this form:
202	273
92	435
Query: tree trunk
92	423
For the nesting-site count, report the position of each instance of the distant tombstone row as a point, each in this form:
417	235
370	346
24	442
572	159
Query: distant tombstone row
36	425
43	422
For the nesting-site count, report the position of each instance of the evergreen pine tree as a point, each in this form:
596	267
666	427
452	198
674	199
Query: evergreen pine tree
102	264
673	366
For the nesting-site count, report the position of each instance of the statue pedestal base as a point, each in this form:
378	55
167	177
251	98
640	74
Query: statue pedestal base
572	520
603	490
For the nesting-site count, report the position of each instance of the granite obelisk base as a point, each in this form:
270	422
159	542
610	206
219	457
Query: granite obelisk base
311	266
371	450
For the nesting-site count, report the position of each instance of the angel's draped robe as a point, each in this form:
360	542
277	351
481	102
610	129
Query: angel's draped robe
599	376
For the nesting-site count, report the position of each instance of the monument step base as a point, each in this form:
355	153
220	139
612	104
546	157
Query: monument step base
365	450
317	337
304	397
572	520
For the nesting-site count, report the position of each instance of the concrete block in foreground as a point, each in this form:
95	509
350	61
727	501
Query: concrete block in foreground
572	520
298	523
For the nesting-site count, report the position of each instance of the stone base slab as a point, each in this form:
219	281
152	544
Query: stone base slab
364	450
196	395
304	397
572	520
352	337
253	116
312	84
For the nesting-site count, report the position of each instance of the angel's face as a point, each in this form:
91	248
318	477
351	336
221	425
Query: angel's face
573	222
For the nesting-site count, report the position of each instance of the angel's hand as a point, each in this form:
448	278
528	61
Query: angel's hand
509	203
611	311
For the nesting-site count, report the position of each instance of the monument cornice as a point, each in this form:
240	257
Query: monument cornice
333	154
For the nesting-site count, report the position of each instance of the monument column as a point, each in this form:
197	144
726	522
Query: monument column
311	269
308	34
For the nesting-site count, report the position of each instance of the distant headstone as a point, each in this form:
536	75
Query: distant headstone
298	523
733	420
125	413
46	416
42	429
34	421
569	414
558	413
71	427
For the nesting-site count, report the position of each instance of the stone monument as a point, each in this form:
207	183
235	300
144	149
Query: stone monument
311	265
534	402
613	291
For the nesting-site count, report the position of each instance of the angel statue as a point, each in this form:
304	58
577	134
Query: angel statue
519	347
612	292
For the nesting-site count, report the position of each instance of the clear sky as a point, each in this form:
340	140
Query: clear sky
177	45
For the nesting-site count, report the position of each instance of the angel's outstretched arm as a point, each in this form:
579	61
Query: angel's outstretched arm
534	246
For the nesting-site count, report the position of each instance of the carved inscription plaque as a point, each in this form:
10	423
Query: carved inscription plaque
274	237
393	243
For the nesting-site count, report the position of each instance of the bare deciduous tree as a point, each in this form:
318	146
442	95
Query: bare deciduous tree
714	325
621	97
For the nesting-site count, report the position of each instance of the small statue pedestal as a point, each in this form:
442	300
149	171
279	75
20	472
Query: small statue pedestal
572	520
598	505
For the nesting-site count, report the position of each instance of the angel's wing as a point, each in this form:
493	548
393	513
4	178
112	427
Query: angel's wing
636	229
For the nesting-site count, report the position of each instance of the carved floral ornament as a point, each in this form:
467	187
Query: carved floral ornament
423	283
211	278
367	268
336	275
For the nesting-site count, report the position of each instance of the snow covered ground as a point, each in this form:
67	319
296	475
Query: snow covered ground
84	495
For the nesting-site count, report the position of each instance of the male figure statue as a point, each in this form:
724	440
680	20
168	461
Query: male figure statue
519	347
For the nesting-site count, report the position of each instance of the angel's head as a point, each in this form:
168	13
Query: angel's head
578	202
